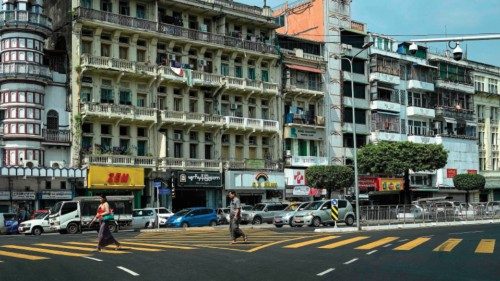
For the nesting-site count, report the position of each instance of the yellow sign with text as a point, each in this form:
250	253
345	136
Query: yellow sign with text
112	177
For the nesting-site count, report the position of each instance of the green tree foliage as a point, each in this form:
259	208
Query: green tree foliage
394	159
333	177
469	182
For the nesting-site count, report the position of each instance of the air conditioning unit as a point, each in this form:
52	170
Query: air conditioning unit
288	153
30	163
177	136
57	164
299	53
234	106
320	120
346	47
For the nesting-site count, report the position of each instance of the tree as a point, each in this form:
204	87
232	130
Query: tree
399	158
469	182
331	178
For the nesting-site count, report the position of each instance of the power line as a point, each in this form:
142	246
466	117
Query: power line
402	35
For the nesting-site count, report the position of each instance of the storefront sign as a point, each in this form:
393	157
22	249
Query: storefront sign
255	164
295	177
451	173
367	183
472	172
23	195
308	161
200	179
301	190
390	184
304	133
56	195
4	195
112	177
255	180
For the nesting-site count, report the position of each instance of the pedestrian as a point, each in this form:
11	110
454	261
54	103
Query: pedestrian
105	216
235	218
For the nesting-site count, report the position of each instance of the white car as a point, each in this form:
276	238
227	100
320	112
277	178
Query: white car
36	226
145	218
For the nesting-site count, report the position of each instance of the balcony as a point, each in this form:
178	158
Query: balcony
190	164
107	63
414	111
451	112
191	119
426	137
360	128
387	136
387	105
311	88
249	85
306	161
25	70
243	165
385	74
14	19
207	79
61	137
121	160
356	77
187	35
304	119
302	55
416	84
119	112
250	124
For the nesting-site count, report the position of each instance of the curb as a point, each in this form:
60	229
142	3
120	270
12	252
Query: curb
188	229
404	226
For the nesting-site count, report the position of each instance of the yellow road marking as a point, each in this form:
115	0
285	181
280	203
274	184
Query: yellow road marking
47	251
412	244
80	248
448	245
377	243
310	242
486	246
22	256
272	244
344	242
123	248
158	245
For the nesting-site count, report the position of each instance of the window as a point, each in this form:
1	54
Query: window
69	207
493	86
238	71
342	204
105	50
302	148
178	104
141	11
124	8
177	150
142	147
124	131
419	128
208	151
142	132
123	53
358	66
224	69
421	180
88	128
125	97
360	115
141	100
314	148
141	55
105	129
86	142
52	120
479	83
86	48
359	90
124	145
251	73
87	4
106	144
193	150
494	114
48	185
63	185
265	75
106	95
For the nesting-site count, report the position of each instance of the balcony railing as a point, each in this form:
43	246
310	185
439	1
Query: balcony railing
118	64
242	165
15	69
250	123
387	69
122	111
174	30
451	112
236	6
194	117
357	26
57	136
8	17
310	85
304	119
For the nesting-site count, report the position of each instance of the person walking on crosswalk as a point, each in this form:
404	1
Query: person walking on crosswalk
104	215
235	218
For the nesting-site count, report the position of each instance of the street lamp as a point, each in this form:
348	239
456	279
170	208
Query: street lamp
355	150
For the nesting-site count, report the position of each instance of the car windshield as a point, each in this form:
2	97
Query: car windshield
163	211
314	205
40	216
292	207
55	209
136	213
183	212
259	207
247	208
303	206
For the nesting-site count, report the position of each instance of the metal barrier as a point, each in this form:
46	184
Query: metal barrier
428	213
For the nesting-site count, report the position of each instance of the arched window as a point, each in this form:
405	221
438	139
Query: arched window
52	120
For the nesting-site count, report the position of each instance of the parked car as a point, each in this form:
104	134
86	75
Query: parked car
284	217
7	222
263	212
318	213
36	226
146	218
493	208
223	215
193	217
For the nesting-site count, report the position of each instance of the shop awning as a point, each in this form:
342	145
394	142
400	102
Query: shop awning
304	68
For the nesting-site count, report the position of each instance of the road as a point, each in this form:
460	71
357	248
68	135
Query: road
447	253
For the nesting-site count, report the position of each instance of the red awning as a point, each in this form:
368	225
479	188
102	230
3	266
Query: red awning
304	68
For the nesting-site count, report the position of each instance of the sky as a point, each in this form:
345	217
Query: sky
434	17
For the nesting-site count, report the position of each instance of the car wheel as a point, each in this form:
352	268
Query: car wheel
212	223
349	220
113	227
316	222
37	230
147	225
72	228
278	225
257	220
185	225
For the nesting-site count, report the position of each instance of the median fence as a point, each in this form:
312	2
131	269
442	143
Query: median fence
429	213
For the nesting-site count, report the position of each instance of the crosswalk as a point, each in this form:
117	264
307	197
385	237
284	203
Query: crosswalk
258	240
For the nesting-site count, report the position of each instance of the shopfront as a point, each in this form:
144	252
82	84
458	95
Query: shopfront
197	189
254	187
113	180
388	191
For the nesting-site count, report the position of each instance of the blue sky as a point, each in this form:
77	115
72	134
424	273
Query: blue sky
400	17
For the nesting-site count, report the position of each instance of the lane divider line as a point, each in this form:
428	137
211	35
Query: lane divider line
351	261
91	258
374	251
325	272
388	245
128	271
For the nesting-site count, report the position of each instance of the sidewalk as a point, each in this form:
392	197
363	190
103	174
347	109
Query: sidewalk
403	226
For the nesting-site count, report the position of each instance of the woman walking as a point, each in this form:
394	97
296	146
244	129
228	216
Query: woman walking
104	215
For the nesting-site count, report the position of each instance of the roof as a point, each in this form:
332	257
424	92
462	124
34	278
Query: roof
304	68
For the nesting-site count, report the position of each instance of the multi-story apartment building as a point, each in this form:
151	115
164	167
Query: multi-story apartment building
487	112
183	87
35	131
303	92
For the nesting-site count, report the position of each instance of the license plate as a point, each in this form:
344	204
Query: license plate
277	220
297	220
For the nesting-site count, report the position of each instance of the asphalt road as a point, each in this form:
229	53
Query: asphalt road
448	253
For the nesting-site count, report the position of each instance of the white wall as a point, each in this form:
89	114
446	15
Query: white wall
463	155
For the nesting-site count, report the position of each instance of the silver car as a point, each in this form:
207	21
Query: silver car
318	213
284	218
263	212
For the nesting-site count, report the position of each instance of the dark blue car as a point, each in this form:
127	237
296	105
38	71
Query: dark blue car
193	217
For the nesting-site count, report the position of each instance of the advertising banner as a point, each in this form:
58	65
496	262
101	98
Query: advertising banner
56	195
390	184
112	177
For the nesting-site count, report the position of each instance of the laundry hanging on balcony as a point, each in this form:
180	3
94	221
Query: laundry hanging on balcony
188	74
178	71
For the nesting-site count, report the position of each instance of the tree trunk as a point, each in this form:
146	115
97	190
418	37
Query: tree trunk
406	190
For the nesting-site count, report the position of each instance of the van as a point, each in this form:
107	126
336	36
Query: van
6	220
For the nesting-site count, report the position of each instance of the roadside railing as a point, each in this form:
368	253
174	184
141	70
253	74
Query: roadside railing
432	213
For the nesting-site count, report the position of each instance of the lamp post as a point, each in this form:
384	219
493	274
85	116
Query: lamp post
355	149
